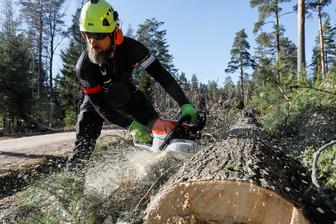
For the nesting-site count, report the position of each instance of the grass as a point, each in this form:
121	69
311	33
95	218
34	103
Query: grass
50	200
326	169
118	184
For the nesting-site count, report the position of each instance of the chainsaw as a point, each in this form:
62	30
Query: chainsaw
176	136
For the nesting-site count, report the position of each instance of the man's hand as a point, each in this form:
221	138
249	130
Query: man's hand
188	109
139	132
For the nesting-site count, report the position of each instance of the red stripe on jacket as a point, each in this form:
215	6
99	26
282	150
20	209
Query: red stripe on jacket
93	90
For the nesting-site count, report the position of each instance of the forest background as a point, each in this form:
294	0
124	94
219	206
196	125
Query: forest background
35	96
288	86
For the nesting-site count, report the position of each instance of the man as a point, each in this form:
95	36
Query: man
104	70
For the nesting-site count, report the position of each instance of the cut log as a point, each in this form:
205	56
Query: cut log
243	179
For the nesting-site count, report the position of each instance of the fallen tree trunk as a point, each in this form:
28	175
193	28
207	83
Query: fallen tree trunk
243	179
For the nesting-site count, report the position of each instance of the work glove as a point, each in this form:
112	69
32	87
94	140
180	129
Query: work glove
139	132
188	109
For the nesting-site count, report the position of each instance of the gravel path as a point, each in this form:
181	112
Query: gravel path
18	153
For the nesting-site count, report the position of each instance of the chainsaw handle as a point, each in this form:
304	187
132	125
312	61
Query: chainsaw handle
172	132
182	120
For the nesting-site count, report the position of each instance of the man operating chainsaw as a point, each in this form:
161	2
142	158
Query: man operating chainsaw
105	72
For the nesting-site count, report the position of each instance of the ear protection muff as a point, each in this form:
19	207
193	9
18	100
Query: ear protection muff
118	36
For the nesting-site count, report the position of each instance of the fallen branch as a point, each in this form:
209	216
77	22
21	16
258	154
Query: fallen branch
284	94
313	88
314	166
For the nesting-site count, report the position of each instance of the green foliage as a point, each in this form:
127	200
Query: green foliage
267	9
194	82
15	77
288	58
152	36
281	113
52	200
68	86
70	117
329	35
305	120
326	165
144	82
182	81
240	57
267	98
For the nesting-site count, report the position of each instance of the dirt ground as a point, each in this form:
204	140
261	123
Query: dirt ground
22	160
19	153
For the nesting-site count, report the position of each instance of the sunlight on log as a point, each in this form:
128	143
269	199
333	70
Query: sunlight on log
223	202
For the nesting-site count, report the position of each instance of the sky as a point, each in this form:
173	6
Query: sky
200	33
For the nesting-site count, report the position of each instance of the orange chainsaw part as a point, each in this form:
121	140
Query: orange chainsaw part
162	127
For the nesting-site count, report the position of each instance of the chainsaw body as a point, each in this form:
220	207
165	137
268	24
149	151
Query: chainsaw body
176	137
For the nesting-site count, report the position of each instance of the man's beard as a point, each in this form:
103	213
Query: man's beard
100	57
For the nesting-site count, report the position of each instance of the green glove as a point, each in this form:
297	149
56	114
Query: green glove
188	109
139	132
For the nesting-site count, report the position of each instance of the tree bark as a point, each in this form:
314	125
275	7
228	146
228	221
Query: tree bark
277	33
301	60
242	84
40	50
246	178
322	52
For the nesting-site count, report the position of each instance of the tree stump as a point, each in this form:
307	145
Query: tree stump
243	179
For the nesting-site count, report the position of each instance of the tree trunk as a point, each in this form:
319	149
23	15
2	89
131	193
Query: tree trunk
242	84
246	178
322	52
277	33
301	60
40	50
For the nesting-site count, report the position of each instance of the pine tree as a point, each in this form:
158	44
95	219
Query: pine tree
301	55
130	32
15	79
150	34
318	5
316	63
240	58
329	37
33	11
68	86
288	58
54	28
270	9
264	57
194	83
213	91
329	43
183	81
228	88
145	82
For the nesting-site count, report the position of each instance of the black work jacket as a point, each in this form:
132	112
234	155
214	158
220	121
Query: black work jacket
98	80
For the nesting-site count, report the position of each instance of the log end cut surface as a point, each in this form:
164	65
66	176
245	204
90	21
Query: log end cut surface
223	201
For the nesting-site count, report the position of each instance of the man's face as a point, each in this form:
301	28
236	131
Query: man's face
99	47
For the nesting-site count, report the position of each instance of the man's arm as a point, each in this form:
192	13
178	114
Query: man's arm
139	53
159	73
167	81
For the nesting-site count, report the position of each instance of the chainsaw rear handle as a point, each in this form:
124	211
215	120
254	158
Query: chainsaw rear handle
182	120
171	134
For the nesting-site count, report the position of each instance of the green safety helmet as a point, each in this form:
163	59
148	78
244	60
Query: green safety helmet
97	16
